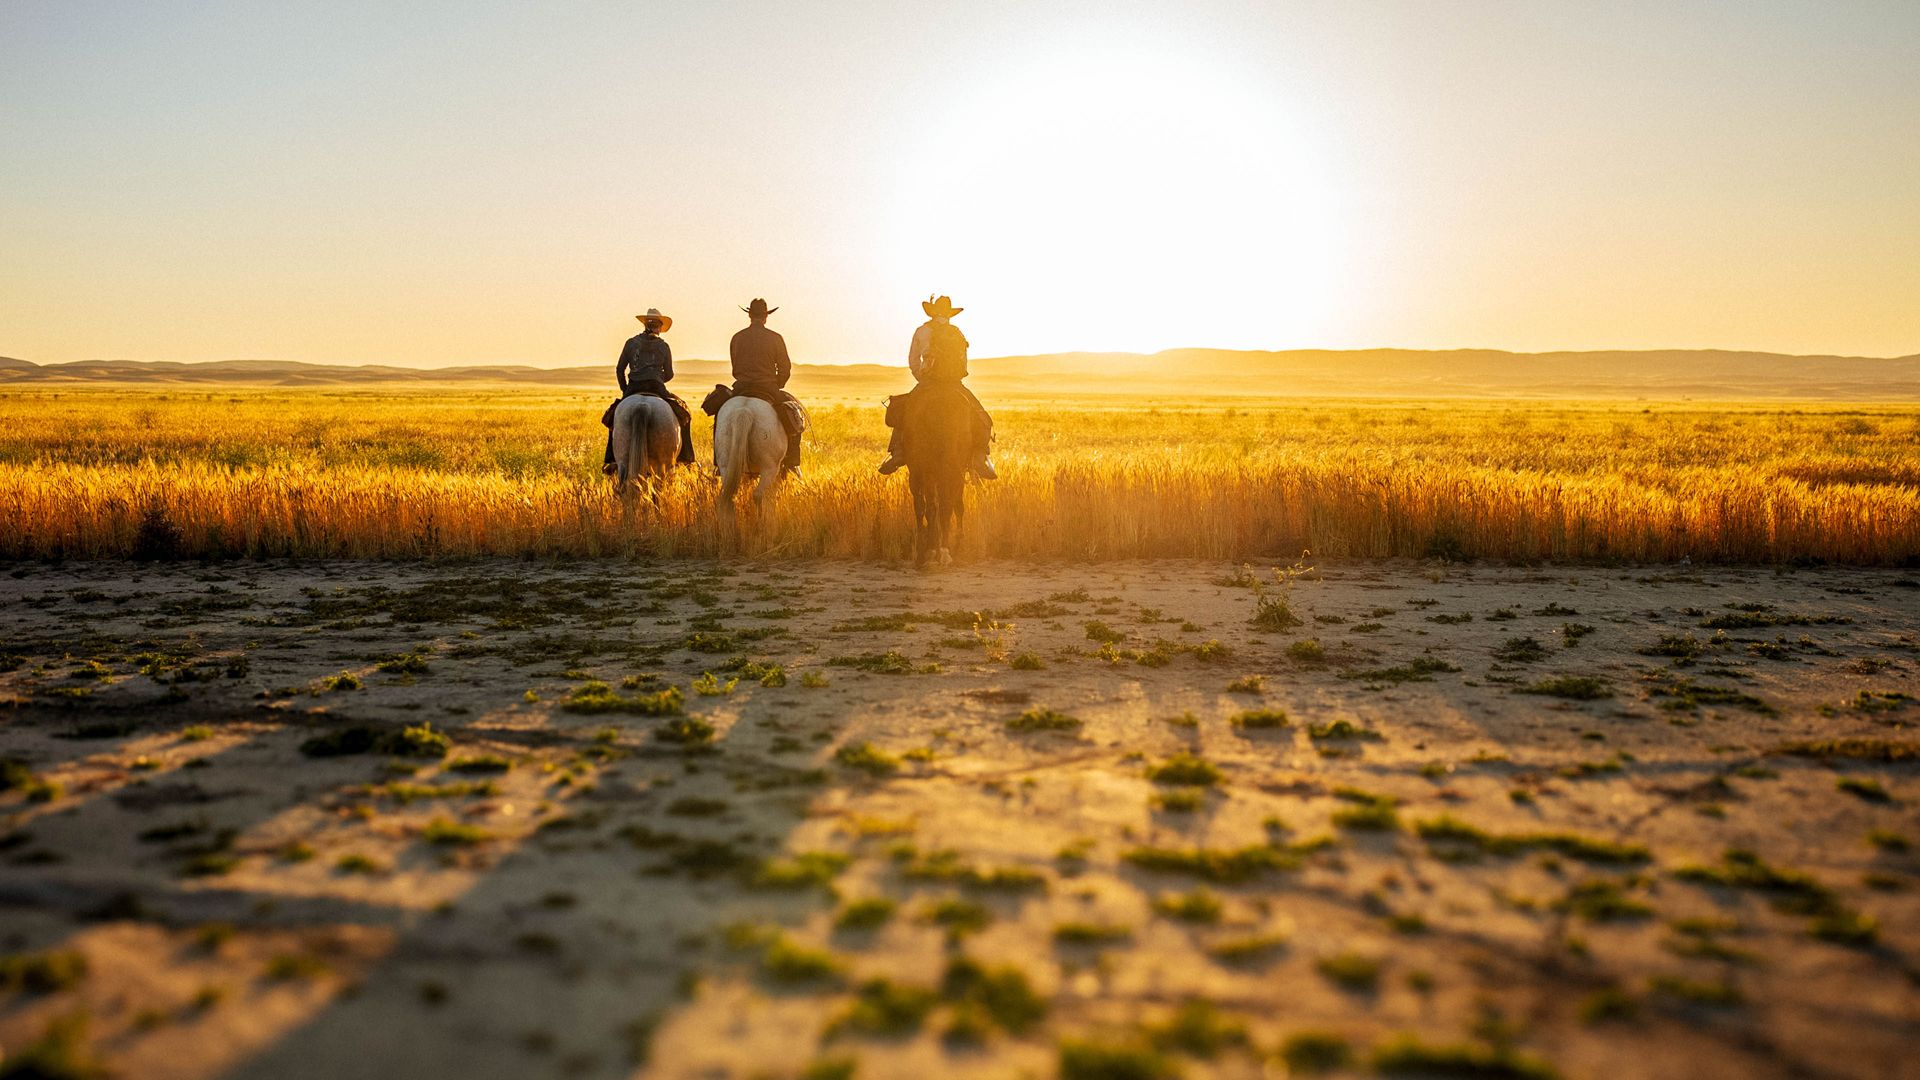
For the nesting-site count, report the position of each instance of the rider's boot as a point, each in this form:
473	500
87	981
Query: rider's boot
893	462
609	468
983	469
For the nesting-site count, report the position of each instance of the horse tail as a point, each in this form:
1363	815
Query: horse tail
643	426
736	437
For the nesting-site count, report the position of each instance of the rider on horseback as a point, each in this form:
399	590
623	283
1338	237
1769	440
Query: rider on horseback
646	367
938	358
761	369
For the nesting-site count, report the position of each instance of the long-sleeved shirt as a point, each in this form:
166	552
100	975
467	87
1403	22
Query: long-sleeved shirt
759	360
646	356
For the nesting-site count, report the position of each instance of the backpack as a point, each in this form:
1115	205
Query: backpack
946	359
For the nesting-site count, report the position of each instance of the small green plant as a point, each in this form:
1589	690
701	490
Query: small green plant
346	680
1040	718
1185	768
1178	801
958	916
1081	932
1408	1056
1310	1053
868	758
1219	865
1199	906
61	1052
685	731
42	972
1307	651
1570	687
1248	684
1262	719
813	680
450	833
887	663
1084	1059
1343	729
802	870
1026	661
1247	948
356	863
1198	1029
1001	996
1865	788
1350	970
595	697
1608	1003
884	1008
785	961
1380	815
709	685
867	914
290	967
1520	650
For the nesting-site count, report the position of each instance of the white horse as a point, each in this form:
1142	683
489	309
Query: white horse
748	441
646	439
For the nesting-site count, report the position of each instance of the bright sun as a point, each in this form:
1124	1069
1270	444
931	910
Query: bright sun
1122	200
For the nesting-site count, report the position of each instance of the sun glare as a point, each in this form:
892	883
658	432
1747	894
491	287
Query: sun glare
1123	199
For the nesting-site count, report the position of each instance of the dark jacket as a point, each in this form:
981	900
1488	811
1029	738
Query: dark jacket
646	356
760	363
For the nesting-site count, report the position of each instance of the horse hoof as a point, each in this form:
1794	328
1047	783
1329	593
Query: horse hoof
946	557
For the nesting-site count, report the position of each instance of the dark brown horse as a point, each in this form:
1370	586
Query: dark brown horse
938	440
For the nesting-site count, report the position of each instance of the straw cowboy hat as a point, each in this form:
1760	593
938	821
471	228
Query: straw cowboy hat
654	313
759	309
940	307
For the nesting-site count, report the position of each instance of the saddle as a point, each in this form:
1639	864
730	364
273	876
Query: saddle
680	411
793	415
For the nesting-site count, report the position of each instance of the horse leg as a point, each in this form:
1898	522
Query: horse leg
950	493
920	519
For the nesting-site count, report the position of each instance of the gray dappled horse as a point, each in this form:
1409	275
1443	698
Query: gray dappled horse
748	441
938	443
646	440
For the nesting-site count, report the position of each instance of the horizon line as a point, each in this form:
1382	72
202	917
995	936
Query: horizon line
1008	356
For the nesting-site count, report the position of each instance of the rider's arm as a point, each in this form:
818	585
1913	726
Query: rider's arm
917	349
782	367
666	361
620	367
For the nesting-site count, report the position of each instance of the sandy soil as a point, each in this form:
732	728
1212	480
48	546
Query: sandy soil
615	903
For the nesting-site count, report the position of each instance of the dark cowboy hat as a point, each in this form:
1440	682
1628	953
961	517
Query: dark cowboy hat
940	307
654	313
759	309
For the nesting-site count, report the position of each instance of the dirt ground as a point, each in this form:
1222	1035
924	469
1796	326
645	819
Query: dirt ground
1467	821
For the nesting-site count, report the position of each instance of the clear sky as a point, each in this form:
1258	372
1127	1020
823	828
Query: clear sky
494	181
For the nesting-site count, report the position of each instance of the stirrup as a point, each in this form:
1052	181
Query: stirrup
984	470
891	465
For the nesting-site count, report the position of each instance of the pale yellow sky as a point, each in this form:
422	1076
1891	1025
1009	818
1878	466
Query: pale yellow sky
497	182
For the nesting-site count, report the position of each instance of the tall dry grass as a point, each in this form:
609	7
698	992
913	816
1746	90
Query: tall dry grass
414	474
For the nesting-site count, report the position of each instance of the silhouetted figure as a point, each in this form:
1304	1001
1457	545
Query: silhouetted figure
761	370
937	357
646	367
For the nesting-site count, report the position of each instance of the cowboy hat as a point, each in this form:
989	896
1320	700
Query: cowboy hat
654	313
940	307
759	309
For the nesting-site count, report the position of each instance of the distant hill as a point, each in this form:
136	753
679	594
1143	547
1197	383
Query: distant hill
1175	374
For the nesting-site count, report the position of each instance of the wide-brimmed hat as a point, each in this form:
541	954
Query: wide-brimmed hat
940	307
759	309
654	313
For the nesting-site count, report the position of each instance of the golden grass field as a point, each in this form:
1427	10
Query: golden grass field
400	474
